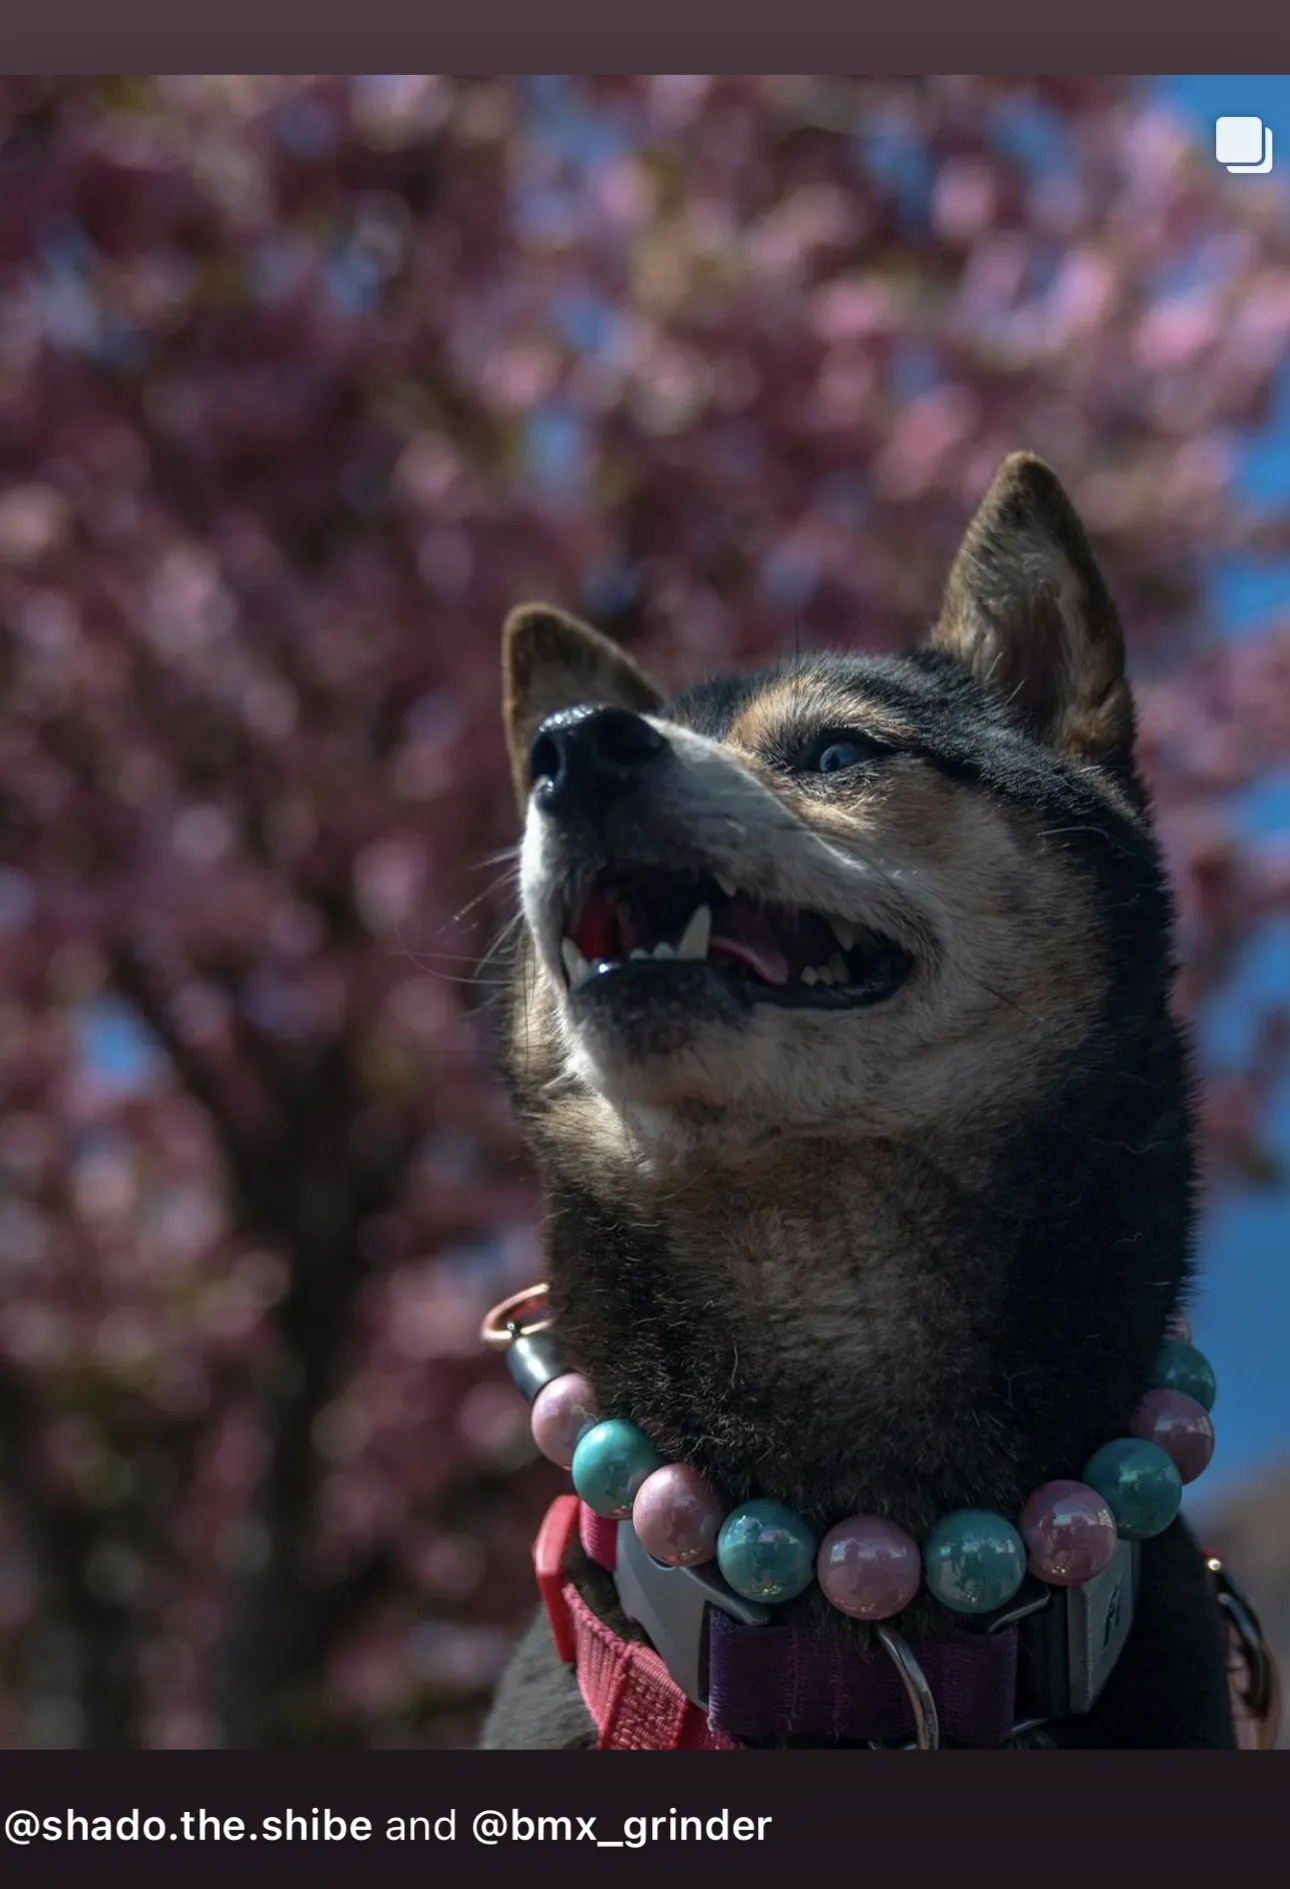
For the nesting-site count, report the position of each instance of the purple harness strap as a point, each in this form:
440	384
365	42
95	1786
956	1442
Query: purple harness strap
768	1681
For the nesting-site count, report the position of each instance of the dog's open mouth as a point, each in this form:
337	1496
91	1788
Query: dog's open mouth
655	921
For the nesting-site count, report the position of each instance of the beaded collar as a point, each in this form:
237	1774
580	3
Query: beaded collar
667	1526
973	1560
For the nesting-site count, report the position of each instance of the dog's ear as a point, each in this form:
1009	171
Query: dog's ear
551	661
1027	612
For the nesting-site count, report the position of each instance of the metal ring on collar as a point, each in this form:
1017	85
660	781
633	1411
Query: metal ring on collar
520	1316
927	1724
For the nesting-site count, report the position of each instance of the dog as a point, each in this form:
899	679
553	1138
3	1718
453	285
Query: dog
839	1025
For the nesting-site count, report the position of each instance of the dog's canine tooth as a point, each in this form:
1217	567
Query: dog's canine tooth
694	939
574	962
727	885
844	931
838	967
663	949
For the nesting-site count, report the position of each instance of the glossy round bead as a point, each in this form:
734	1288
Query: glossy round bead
563	1411
1180	1426
1141	1484
974	1561
868	1568
1180	1367
609	1465
677	1517
765	1551
1069	1532
1178	1325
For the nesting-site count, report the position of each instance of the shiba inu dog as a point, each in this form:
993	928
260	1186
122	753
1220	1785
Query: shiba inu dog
840	1028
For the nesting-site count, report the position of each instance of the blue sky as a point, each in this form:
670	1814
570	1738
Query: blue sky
1244	1313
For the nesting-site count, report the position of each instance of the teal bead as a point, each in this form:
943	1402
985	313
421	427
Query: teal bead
766	1552
974	1561
609	1465
1180	1367
1139	1483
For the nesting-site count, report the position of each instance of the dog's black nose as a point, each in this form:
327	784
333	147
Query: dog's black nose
589	754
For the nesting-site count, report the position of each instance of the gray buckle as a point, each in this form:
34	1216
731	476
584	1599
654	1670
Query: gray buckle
1098	1618
1072	1637
671	1605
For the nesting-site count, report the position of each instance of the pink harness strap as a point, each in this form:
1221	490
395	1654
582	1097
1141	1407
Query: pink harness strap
634	1701
599	1538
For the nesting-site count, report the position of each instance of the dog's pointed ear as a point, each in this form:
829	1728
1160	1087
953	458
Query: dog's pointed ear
1028	613
552	661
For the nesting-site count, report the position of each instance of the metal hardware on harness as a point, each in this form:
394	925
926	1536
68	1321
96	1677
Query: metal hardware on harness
534	1361
927	1724
672	1604
1036	1604
1031	1598
521	1316
1260	1696
523	1327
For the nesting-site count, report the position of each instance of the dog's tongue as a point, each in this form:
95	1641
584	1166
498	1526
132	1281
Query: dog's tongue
742	932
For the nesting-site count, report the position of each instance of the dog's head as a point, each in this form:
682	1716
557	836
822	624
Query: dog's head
840	1027
849	896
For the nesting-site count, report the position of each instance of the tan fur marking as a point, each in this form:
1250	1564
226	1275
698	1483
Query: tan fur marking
807	702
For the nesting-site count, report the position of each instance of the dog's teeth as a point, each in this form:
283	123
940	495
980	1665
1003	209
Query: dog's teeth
639	952
694	939
663	949
823	975
839	969
574	962
844	931
727	885
810	975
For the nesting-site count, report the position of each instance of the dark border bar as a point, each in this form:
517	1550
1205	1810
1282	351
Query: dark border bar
467	1817
1004	36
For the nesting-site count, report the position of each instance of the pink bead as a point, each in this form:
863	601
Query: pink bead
1178	1326
561	1411
677	1517
869	1568
1180	1426
1069	1532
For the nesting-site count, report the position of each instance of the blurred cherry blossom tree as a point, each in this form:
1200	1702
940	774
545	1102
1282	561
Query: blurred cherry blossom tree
303	383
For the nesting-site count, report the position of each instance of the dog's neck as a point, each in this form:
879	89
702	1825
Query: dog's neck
897	1329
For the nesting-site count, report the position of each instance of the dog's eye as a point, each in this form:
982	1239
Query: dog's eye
840	754
843	751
